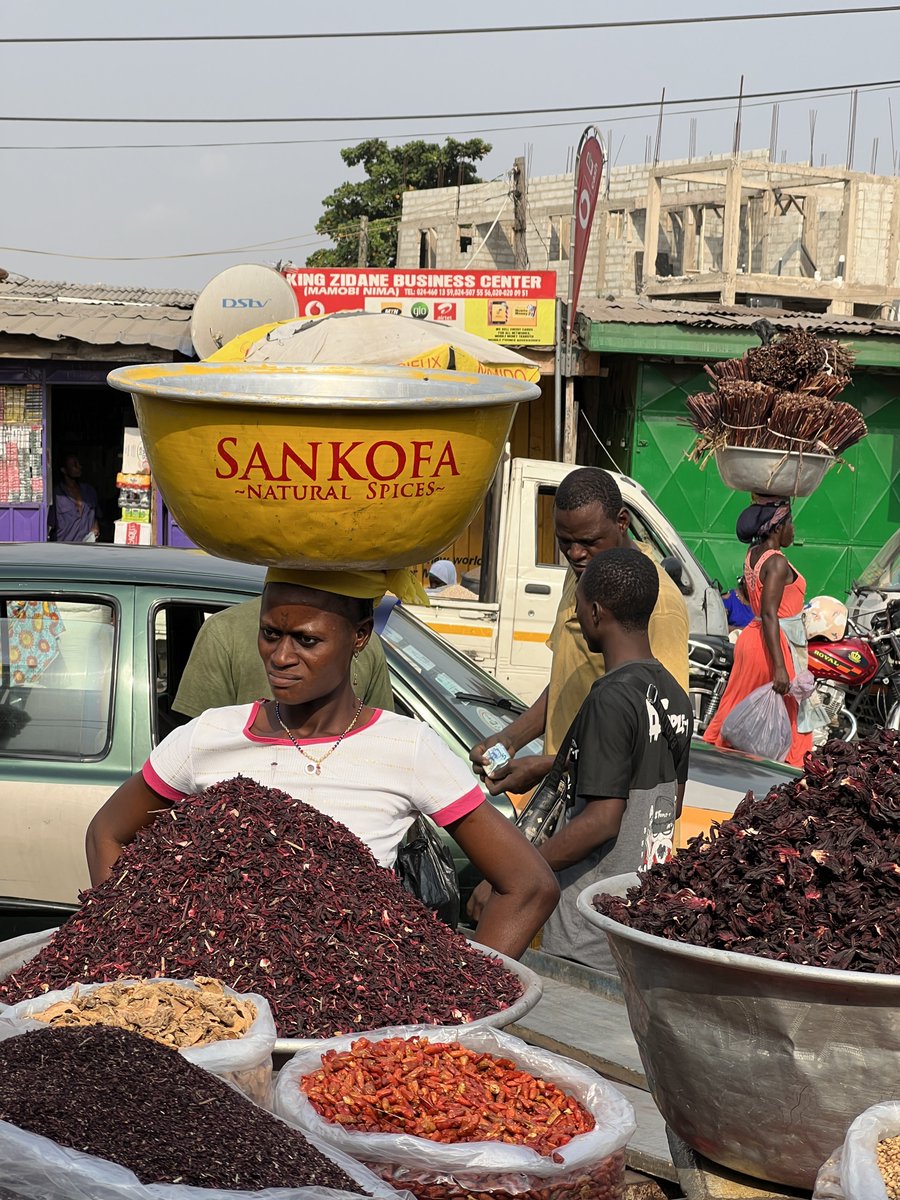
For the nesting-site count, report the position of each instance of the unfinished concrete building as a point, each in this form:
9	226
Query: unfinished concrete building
741	230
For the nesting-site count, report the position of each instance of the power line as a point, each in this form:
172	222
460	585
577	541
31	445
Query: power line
787	98
580	26
158	257
821	90
298	241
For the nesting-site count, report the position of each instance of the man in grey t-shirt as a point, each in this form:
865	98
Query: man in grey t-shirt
629	753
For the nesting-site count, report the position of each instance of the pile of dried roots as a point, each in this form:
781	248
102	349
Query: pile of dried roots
779	396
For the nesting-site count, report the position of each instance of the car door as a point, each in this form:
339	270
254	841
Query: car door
167	621
65	729
533	584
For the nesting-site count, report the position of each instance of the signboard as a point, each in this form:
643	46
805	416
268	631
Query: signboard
588	172
511	308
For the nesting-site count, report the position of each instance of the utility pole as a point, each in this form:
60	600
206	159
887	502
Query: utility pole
520	247
362	258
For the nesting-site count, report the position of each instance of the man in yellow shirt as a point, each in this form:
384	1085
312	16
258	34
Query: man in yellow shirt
589	517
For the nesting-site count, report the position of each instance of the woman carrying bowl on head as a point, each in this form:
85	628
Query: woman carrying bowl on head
772	648
373	770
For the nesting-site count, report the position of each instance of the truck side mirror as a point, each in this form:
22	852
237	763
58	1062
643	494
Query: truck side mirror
674	570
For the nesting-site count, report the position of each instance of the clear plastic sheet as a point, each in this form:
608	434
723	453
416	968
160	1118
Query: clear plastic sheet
851	1172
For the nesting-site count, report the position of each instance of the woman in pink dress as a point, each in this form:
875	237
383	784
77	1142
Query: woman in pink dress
772	648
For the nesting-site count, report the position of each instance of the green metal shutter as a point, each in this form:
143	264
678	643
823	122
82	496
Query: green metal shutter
839	528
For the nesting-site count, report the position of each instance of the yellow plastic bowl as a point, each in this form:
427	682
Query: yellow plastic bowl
320	466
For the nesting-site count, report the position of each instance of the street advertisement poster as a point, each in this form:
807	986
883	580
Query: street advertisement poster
588	173
511	308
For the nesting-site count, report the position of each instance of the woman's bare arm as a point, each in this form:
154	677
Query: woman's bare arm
525	891
128	809
776	575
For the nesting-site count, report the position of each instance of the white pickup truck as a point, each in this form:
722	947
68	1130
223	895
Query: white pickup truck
505	631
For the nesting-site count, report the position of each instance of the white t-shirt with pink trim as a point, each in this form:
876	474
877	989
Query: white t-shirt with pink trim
376	782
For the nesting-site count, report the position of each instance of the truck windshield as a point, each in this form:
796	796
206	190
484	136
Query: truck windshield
884	569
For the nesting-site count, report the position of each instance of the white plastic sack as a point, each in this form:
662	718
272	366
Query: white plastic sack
245	1062
852	1173
34	1168
480	1166
760	724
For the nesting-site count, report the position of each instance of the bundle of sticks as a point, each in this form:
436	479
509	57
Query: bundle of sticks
779	396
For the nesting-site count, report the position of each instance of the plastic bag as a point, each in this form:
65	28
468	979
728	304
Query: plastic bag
852	1173
760	724
425	867
245	1062
802	685
591	1164
828	1180
34	1168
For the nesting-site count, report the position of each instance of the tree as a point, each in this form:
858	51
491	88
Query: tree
390	171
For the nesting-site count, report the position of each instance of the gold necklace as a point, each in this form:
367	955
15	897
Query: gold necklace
314	765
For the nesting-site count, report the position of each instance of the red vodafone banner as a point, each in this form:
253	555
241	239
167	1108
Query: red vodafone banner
588	173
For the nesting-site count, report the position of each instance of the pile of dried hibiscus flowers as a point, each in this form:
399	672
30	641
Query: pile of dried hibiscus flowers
810	874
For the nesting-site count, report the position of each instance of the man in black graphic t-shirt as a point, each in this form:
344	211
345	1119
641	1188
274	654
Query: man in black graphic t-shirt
629	753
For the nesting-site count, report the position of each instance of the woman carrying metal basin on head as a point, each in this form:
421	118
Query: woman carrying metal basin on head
338	479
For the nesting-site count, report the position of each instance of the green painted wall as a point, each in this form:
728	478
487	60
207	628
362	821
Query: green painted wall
839	527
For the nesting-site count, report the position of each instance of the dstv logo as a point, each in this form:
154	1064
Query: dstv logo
243	302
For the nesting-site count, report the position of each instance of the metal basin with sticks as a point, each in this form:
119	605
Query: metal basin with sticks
772	472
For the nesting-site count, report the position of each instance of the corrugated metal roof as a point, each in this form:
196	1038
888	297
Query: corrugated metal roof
104	325
97	314
704	316
95	293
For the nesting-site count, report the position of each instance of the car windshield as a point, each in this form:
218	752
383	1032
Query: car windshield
457	683
884	569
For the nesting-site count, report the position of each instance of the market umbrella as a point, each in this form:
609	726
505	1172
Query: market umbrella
376	339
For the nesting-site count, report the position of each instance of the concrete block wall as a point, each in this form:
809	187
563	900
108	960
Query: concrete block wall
873	222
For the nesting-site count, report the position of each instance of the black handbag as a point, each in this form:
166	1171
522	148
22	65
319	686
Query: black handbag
426	869
540	817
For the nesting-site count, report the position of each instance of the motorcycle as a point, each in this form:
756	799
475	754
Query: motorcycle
858	676
710	660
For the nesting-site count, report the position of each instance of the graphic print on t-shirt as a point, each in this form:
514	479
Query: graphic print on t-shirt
659	831
623	753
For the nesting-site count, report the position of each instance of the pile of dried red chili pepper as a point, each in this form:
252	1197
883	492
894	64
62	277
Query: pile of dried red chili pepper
810	874
444	1092
250	886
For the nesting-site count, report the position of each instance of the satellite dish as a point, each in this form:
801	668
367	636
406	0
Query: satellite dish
239	299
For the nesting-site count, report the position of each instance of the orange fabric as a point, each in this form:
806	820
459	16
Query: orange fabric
752	664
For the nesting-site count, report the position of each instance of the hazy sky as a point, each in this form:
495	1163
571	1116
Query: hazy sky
188	200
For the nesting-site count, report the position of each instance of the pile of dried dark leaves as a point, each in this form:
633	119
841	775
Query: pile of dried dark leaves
120	1097
249	886
810	874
